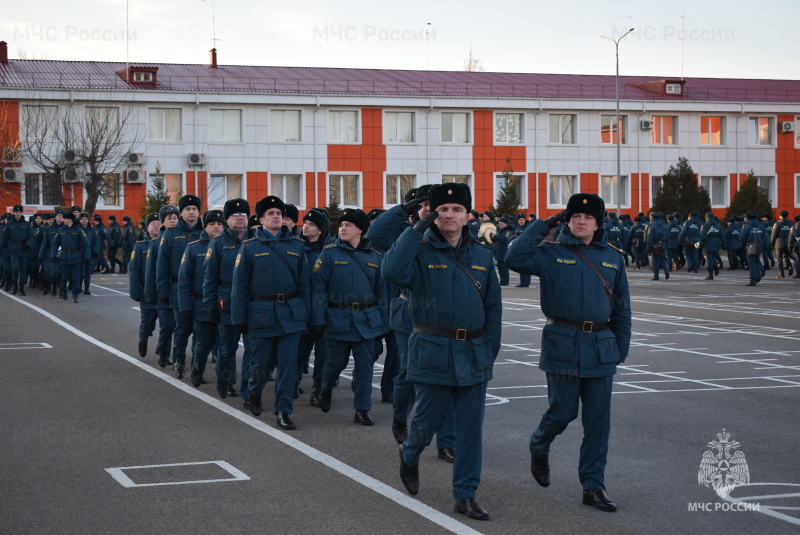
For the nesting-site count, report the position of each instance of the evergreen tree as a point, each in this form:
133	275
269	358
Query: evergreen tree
157	197
749	197
508	201
334	212
680	192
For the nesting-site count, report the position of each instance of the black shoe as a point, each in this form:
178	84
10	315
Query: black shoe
53	290
751	284
790	268
222	390
363	418
213	358
387	399
254	404
64	296
232	391
540	468
285	421
469	507
654	278
14	289
710	277
179	370
716	270
399	430
143	349
315	386
86	290
75	298
409	475
666	275
446	454
599	500
325	398
22	289
196	378
162	360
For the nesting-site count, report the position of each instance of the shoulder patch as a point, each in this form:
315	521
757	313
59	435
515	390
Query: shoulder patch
617	249
331	246
376	251
249	240
193	242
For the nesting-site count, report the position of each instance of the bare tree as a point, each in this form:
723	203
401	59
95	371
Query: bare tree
473	63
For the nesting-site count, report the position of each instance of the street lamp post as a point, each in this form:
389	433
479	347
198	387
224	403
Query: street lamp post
619	131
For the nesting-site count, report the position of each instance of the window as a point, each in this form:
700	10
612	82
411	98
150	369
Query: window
561	188
172	186
142	76
225	125
289	188
518	182
759	130
508	128
396	188
717	189
221	188
712	130
797	190
656	185
343	126
110	190
608	190
344	191
562	128
797	132
40	121
767	183
398	127
102	121
461	179
608	129
455	128
665	130
42	189
165	124
284	125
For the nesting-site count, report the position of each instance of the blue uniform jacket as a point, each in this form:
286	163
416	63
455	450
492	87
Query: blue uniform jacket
347	275
18	237
127	238
781	232
218	277
753	232
571	290
501	241
94	240
673	233
190	278
733	235
269	265
48	235
442	295
657	234
168	262
113	233
136	273
691	231
617	233
712	237
150	291
73	244
636	232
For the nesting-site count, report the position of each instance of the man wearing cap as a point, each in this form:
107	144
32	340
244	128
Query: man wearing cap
190	293
752	243
732	237
173	243
781	238
712	239
94	247
34	266
768	259
473	222
290	220
690	238
136	278
169	216
585	296
217	286
636	239
349	305
456	310
100	228
113	232
127	240
18	238
271	302
501	240
71	248
656	244
51	269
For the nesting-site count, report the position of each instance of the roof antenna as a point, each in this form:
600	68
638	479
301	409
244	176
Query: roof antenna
682	37
127	44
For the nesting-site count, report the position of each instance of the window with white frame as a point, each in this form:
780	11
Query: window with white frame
767	185
609	130
460	179
759	130
797	190
222	188
455	127
396	188
560	189
172	183
665	130
343	126
519	184
285	125
562	128
656	185
712	130
608	190
398	127
40	122
102	121
508	128
165	124
225	126
717	188
110	190
289	188
344	190
42	189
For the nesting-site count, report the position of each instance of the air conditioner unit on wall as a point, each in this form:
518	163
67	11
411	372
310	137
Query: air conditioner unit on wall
72	176
136	176
787	126
646	124
12	155
195	158
12	174
136	158
69	156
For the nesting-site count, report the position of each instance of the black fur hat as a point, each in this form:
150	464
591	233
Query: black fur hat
586	203
319	218
236	206
450	192
268	202
189	200
292	213
357	217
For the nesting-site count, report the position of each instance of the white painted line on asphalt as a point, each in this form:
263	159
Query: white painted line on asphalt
123	479
765	509
412	504
26	345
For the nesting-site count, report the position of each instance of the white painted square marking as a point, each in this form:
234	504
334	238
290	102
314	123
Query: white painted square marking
123	479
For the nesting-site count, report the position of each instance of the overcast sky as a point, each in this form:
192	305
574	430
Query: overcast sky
734	39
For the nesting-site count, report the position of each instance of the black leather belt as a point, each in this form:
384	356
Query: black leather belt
352	306
584	326
225	284
69	250
458	334
280	298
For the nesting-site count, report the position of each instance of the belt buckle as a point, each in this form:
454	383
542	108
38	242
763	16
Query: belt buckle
281	298
587	326
355	306
461	334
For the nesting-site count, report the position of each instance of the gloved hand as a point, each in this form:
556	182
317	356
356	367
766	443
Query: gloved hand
164	299
412	207
187	314
552	221
317	331
242	328
213	315
137	299
423	224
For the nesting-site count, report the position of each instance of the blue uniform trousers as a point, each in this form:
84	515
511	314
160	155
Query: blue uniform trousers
166	327
659	262
180	338
563	394
692	260
363	362
71	272
755	269
19	269
468	403
101	261
147	322
389	364
86	274
711	260
6	261
502	271
524	280
267	353
126	257
307	344
733	259
112	257
672	257
226	357
205	339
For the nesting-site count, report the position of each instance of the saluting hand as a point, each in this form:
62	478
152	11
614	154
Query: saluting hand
423	224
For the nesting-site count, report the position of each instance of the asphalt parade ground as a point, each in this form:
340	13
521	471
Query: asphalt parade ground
94	439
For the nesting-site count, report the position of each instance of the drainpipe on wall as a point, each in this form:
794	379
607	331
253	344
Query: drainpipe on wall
639	159
314	137
536	155
428	147
736	133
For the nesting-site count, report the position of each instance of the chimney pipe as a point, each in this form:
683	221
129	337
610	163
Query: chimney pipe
3	53
213	58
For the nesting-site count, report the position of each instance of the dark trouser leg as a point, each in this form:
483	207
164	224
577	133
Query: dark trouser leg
228	345
389	365
205	336
403	392
363	367
563	394
595	393
166	328
147	322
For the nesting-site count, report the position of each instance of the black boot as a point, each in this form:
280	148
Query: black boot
325	399
86	290
14	289
254	404
21	290
315	388
54	289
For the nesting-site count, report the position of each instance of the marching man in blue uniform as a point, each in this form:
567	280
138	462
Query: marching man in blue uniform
271	303
349	305
456	309
585	296
18	237
136	277
169	216
72	250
